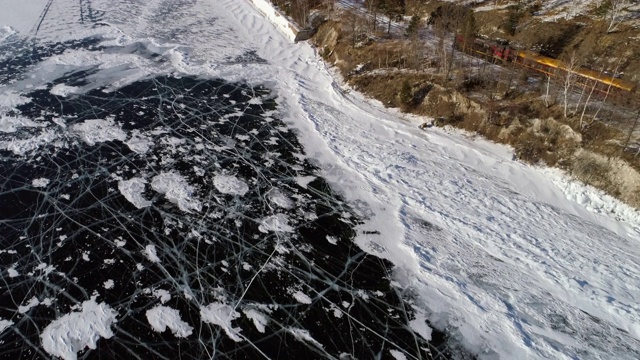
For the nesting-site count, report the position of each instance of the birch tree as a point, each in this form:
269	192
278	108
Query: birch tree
571	65
614	13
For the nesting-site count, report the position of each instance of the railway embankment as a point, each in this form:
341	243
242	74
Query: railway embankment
505	105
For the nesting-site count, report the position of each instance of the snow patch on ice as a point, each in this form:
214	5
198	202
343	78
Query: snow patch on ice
276	223
221	315
66	336
21	147
162	294
11	99
176	189
4	324
64	90
10	124
40	182
108	284
139	143
12	272
301	297
258	318
5	32
132	190
162	317
98	130
32	303
280	199
419	325
397	355
304	181
303	335
231	185
151	253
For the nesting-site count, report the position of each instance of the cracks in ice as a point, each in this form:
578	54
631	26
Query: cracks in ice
185	205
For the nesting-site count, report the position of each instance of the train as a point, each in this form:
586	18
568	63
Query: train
601	82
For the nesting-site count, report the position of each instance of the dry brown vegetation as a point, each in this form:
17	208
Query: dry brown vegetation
509	112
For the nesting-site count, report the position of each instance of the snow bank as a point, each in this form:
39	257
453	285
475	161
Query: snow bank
75	331
592	199
276	18
132	190
176	189
162	317
98	130
221	315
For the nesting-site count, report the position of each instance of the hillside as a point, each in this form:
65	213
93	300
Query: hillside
592	138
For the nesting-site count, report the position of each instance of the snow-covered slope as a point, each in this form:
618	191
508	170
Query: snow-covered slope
494	250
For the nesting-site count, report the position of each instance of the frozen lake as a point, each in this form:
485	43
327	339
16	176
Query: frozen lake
179	180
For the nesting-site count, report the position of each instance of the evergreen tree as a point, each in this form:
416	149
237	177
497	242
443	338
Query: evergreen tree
412	29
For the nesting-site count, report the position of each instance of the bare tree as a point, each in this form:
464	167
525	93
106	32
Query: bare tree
606	95
373	7
570	66
633	128
614	13
586	103
546	96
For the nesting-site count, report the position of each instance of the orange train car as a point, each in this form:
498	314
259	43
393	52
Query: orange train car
600	81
